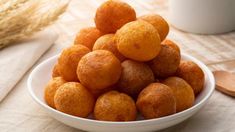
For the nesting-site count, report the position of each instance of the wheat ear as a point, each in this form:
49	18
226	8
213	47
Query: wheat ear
28	19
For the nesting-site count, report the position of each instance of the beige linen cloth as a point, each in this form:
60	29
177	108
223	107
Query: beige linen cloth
16	59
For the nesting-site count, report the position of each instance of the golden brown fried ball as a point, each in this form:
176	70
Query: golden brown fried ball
138	40
97	92
51	88
171	44
112	15
156	100
166	63
87	36
99	69
69	59
192	74
55	71
135	77
74	99
106	42
115	106
183	92
159	23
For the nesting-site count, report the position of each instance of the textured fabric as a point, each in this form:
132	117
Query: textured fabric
16	59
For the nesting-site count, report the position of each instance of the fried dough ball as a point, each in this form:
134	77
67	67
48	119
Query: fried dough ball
183	92
115	106
159	23
51	88
74	99
69	59
192	74
99	69
55	71
97	92
156	100
135	77
166	63
87	36
106	42
171	44
112	15
138	40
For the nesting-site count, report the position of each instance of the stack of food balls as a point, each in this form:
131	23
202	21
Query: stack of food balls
123	65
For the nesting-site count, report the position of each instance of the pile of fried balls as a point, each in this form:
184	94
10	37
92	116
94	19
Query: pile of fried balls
123	67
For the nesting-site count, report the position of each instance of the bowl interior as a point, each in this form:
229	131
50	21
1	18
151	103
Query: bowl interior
42	74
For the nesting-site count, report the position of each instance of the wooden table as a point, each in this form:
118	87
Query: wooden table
18	112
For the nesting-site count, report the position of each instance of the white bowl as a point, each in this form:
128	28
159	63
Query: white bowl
42	73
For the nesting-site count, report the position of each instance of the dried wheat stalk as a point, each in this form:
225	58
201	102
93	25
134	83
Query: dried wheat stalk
22	18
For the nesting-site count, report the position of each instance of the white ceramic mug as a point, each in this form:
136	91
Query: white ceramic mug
203	16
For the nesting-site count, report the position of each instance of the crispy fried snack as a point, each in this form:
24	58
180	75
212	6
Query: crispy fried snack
171	44
183	92
87	37
166	63
138	40
69	59
97	92
112	15
74	99
192	74
158	22
115	106
51	88
55	71
135	77
106	42
156	100
99	69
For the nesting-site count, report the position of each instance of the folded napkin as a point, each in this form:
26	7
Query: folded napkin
16	60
